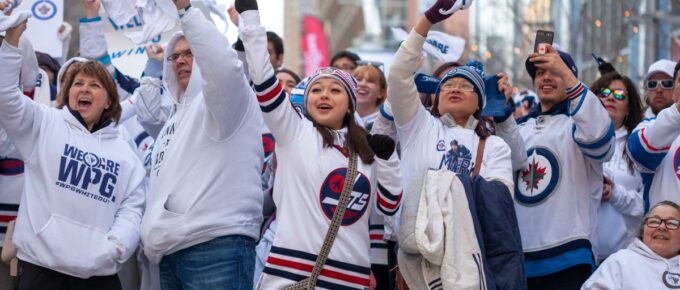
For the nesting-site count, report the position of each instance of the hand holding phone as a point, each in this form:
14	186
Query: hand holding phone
542	39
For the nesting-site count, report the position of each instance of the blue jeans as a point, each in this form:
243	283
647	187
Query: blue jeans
222	263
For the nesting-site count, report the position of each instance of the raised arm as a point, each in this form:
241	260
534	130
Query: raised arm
279	115
19	116
227	94
593	130
650	141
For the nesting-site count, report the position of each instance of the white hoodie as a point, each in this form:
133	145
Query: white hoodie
634	268
206	162
84	192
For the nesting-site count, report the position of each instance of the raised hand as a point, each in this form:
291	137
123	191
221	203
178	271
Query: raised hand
443	9
552	62
92	8
155	51
233	15
504	86
245	5
382	145
4	4
181	4
13	34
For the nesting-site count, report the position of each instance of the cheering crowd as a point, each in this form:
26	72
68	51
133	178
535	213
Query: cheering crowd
220	169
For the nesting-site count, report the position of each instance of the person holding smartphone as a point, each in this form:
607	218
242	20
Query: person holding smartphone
557	194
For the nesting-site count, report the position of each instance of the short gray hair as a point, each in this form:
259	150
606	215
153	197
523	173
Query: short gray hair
641	228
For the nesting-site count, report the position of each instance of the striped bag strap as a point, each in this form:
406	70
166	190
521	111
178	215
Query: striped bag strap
350	176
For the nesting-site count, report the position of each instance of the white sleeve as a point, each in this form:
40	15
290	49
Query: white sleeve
19	116
509	132
228	96
152	111
389	184
125	231
384	123
402	87
281	118
593	130
629	202
650	141
92	38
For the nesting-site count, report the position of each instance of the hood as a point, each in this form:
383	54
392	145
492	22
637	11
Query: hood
107	131
170	80
29	65
640	248
64	67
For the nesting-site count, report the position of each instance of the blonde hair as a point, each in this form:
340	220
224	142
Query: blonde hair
375	75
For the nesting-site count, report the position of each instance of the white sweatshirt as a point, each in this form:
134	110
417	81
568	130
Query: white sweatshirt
655	147
11	181
635	268
618	218
84	192
206	162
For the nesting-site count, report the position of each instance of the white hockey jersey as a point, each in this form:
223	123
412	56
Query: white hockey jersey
558	193
655	148
308	183
11	182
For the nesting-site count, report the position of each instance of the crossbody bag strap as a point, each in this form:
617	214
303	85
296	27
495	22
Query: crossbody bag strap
480	155
350	176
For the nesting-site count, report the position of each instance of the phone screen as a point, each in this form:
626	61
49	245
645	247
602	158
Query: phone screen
543	36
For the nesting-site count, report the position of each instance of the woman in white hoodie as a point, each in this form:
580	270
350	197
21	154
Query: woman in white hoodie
652	261
84	187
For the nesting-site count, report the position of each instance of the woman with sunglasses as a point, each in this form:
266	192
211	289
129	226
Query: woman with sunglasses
313	156
652	261
621	208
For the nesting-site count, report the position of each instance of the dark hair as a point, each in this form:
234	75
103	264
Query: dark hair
445	67
96	70
355	139
641	228
635	113
276	41
675	71
374	75
482	128
290	72
347	54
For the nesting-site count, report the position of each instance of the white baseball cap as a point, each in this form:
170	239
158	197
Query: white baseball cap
662	66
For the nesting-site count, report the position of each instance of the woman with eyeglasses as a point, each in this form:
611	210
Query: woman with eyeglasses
622	207
652	261
314	157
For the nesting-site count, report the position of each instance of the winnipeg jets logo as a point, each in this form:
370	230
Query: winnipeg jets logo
539	179
533	175
359	197
671	280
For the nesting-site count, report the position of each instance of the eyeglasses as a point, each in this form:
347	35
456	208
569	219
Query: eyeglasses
618	94
175	56
665	84
654	222
465	87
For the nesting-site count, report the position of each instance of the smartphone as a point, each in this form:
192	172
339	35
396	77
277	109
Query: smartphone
543	37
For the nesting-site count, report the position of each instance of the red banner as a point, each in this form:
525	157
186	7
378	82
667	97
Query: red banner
314	45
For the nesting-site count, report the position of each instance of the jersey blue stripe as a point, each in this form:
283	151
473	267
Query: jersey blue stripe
385	114
608	137
297	278
601	156
641	156
275	104
329	262
542	267
267	84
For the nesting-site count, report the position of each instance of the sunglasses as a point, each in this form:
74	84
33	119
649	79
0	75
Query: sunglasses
665	84
618	94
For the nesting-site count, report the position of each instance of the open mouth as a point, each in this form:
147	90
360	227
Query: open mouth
660	237
324	108
362	92
548	88
84	104
183	73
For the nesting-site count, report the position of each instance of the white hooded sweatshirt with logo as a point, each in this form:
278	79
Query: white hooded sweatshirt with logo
206	162
636	267
83	193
